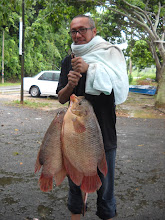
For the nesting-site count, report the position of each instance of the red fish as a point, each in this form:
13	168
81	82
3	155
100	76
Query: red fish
50	154
82	145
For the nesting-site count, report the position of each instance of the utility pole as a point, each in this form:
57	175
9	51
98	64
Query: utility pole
22	56
3	42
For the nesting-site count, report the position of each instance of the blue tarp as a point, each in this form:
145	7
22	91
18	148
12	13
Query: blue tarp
143	89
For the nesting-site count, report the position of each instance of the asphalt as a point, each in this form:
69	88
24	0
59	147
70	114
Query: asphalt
140	169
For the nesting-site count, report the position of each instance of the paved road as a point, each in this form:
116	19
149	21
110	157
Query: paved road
7	89
139	185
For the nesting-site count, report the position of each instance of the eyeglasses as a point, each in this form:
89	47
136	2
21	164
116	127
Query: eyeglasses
80	31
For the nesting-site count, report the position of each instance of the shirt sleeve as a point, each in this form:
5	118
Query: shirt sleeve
65	68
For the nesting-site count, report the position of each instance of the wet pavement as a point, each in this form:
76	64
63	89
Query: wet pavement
140	169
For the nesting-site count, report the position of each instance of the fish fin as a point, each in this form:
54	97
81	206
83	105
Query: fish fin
37	164
73	173
59	177
90	183
46	182
78	126
103	166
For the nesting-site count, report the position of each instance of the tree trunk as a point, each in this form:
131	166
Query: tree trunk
160	97
158	73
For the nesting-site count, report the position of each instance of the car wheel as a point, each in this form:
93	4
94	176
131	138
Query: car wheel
34	91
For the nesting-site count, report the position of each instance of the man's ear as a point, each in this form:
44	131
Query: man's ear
94	31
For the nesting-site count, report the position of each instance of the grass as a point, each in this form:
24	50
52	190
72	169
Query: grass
144	77
32	104
10	84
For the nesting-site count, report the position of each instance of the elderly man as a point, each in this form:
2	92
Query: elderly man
97	71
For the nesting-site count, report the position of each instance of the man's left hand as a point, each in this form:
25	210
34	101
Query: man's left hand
79	65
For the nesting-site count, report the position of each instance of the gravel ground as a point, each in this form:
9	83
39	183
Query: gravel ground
140	175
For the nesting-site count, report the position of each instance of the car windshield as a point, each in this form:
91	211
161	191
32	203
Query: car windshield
46	76
56	76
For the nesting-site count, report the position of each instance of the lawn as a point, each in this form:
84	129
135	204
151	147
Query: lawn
10	84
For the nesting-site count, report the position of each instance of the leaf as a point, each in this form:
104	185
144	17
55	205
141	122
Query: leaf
15	153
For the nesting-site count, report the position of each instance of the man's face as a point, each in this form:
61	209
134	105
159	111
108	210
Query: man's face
78	23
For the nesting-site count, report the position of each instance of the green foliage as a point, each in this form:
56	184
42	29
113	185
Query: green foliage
107	27
11	61
130	77
141	56
144	76
46	33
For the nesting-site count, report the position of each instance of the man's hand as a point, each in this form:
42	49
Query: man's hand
79	65
73	79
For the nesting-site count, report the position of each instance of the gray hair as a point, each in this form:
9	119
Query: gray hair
91	21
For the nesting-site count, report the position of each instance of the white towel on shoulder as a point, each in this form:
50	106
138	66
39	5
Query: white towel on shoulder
107	68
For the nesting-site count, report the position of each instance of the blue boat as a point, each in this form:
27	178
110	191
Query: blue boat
143	89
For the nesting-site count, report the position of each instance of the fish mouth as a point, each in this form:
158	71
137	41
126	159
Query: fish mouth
79	110
73	98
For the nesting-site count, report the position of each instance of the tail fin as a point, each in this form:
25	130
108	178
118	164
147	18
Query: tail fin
90	183
46	183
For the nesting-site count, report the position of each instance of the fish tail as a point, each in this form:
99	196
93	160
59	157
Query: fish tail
37	164
90	183
46	182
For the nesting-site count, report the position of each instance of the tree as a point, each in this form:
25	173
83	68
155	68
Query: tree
141	55
148	17
108	27
8	26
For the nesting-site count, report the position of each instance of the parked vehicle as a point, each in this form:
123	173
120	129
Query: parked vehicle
44	83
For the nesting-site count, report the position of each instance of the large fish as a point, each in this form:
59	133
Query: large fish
50	154
82	145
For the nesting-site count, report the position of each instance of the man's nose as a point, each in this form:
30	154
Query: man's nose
78	34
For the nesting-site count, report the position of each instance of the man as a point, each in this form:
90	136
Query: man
98	72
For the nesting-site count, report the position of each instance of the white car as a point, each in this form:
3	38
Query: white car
44	83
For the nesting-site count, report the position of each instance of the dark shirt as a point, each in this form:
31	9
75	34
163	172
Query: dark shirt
103	105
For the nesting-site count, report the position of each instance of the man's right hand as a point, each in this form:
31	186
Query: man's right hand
73	79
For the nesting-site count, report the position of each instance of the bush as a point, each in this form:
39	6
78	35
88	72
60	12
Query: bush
130	77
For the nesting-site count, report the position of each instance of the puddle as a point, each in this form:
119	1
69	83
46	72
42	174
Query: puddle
132	113
144	114
140	106
44	211
140	205
160	204
9	180
9	200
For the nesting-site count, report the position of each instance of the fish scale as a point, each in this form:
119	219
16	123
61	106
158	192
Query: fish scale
72	146
82	145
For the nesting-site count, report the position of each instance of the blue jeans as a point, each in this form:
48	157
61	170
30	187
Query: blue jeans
106	203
